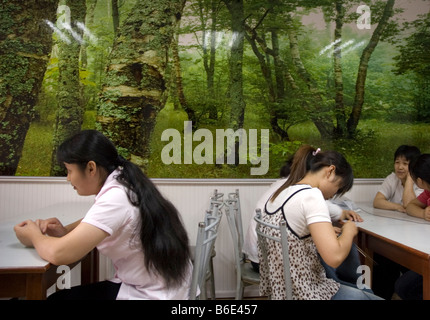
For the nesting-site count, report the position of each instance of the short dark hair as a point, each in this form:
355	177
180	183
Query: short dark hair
420	168
409	152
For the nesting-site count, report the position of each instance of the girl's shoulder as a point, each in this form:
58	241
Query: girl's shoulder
294	192
112	190
112	187
392	177
427	193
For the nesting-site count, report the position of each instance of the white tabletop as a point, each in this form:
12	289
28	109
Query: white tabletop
396	226
15	255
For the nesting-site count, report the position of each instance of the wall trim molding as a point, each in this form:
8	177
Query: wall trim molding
177	181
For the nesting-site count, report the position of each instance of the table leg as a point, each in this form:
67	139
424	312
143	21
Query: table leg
90	268
368	258
35	287
426	282
405	256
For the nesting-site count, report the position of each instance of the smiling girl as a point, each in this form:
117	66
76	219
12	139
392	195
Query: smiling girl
130	222
398	189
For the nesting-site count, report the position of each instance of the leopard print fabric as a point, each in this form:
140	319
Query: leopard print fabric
309	281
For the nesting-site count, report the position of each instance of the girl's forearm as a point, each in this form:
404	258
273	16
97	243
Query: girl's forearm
73	225
409	192
387	205
414	210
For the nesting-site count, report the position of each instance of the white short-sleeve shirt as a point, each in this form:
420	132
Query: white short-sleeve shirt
392	189
304	208
113	213
334	213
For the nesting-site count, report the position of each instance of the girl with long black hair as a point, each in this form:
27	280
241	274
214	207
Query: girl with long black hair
130	222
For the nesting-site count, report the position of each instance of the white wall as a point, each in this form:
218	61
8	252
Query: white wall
28	197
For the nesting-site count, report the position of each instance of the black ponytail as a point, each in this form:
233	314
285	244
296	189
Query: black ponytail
161	231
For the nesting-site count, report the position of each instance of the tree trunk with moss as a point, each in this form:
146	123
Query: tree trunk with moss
70	110
357	107
25	45
319	114
237	101
339	108
131	97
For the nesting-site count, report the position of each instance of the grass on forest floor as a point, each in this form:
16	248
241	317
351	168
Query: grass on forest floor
371	155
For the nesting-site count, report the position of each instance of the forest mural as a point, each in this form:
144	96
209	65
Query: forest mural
214	88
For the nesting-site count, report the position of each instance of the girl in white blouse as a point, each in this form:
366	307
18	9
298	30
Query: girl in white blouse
301	201
130	222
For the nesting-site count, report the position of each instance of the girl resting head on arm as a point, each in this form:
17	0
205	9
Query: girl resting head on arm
419	170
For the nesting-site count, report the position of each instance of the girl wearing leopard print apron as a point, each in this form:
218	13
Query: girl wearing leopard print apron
315	177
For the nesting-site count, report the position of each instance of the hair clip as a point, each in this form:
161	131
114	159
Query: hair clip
316	152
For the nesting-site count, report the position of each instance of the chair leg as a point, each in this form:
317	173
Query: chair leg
212	279
203	295
239	290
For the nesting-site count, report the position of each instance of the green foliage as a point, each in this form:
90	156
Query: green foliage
285	149
413	59
396	92
36	158
37	151
370	153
